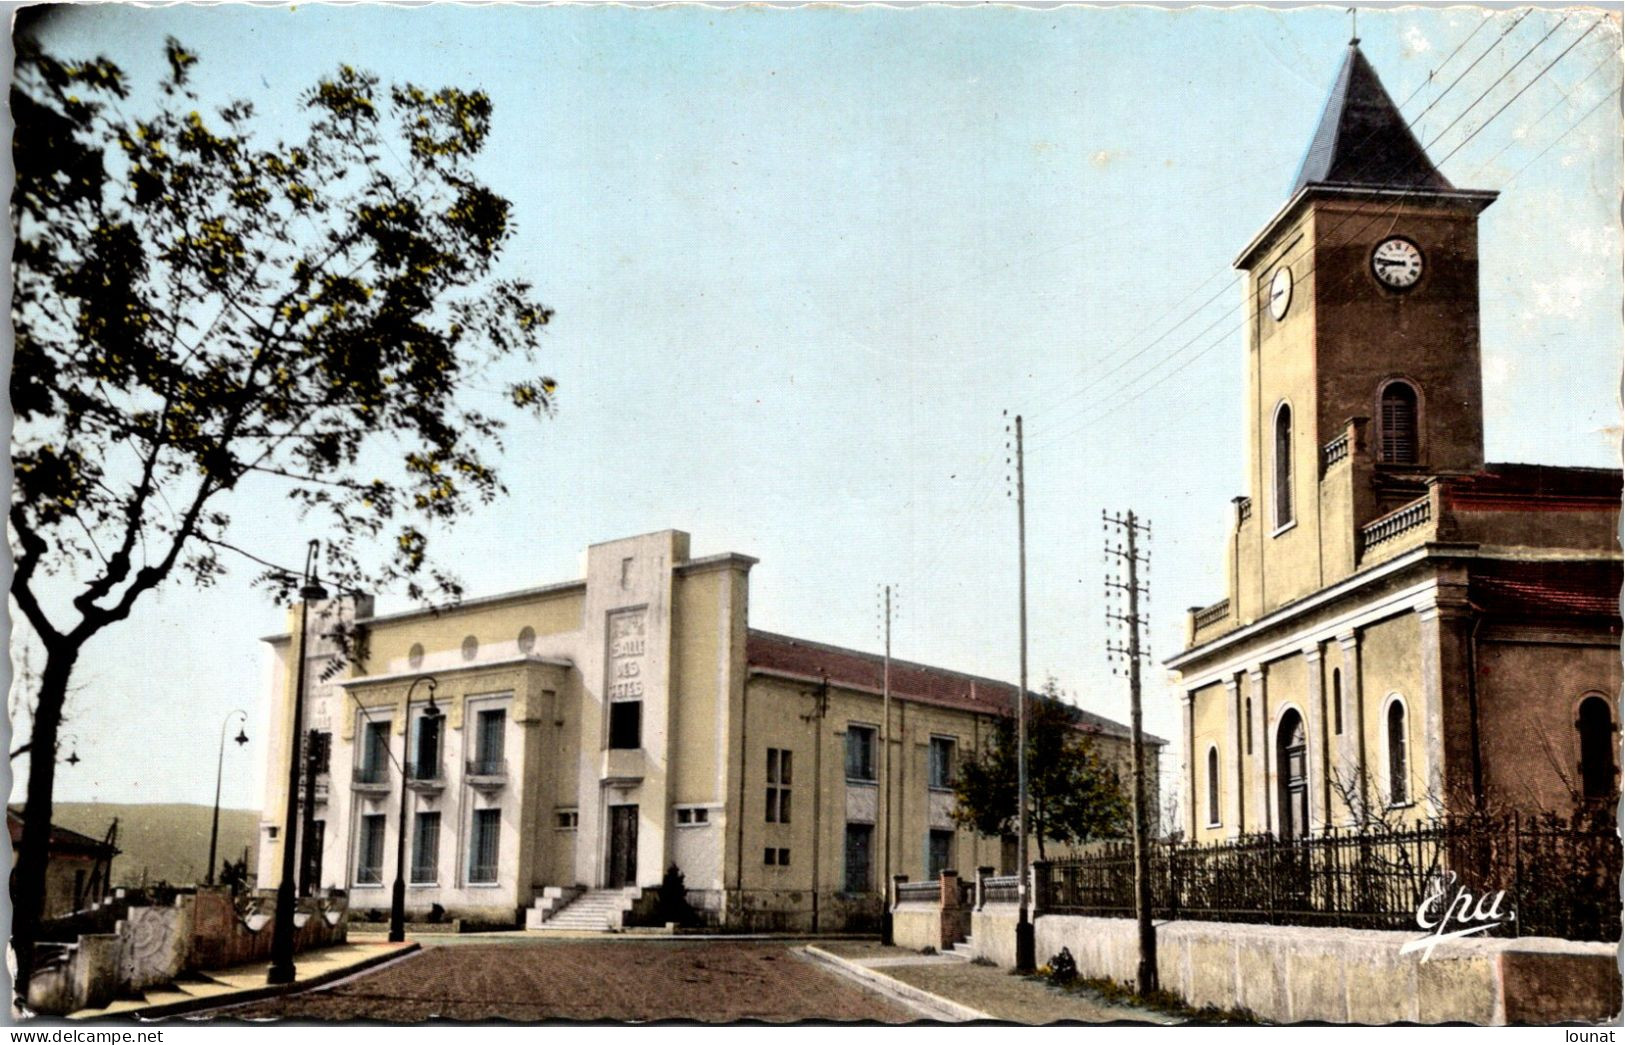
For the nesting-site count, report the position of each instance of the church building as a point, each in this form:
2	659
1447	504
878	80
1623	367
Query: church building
553	751
1409	631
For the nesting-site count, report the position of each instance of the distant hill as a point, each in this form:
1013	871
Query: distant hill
169	843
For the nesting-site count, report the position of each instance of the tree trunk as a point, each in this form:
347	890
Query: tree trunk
33	850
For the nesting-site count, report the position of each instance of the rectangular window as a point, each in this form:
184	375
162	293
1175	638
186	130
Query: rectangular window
482	850
425	848
939	850
942	764
626	724
568	819
689	817
776	857
778	785
488	742
860	753
374	753
859	846
426	751
370	854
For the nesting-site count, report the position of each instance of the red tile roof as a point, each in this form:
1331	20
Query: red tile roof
917	683
1548	589
1536	487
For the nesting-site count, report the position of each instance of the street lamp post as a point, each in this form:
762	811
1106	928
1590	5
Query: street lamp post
219	769
397	904
282	967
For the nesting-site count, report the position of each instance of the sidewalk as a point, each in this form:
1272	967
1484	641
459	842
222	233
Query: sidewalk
952	989
245	983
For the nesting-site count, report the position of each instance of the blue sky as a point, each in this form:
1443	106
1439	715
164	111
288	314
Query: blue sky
803	258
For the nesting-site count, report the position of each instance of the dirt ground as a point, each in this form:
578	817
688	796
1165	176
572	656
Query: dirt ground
709	981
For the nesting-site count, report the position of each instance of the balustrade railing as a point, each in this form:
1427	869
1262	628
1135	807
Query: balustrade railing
1214	614
1336	450
1401	519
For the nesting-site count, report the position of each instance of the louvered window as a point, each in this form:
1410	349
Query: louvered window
1399	435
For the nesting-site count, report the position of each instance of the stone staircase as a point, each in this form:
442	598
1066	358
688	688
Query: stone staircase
964	950
572	909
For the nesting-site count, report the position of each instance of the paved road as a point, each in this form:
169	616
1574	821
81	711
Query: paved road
712	981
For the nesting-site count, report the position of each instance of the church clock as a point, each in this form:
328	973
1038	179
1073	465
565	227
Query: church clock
1397	263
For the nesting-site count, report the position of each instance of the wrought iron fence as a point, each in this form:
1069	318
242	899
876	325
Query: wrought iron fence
1559	878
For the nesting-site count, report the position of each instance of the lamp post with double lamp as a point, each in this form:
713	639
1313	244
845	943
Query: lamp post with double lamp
219	770
397	902
282	967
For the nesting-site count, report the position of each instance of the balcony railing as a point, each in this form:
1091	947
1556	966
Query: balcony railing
422	776
487	772
1402	519
370	778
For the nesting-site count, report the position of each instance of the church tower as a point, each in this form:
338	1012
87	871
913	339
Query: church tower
1363	340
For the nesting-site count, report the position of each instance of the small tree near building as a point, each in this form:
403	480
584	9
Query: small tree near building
203	310
1074	795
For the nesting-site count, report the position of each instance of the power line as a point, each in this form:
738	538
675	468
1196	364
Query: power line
1232	282
1093	411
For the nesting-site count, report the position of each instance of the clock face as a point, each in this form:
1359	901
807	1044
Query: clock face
1281	292
1397	263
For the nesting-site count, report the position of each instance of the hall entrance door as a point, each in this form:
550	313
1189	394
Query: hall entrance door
1292	776
623	846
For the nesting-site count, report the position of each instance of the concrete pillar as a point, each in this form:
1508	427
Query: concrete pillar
1445	750
896	880
1314	727
1235	813
950	890
1040	889
1187	769
982	875
1351	763
1263	770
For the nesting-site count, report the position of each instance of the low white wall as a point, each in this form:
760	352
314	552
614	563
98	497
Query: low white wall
916	926
993	933
1288	974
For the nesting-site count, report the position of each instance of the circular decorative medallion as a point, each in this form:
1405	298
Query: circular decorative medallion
527	639
471	647
414	656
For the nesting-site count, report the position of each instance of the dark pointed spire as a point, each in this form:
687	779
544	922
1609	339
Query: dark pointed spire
1362	140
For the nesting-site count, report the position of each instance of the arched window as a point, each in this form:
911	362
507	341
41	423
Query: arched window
1337	701
1596	725
1212	786
1399	789
1283	466
1398	418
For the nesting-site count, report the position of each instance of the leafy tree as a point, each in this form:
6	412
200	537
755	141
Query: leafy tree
1074	796
202	309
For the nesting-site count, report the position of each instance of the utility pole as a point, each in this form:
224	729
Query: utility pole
1026	957
885	774
1125	549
